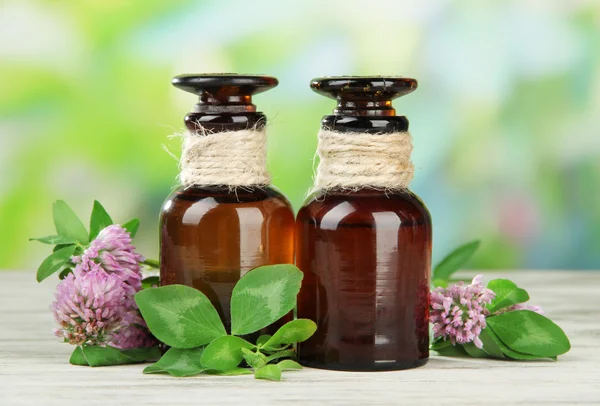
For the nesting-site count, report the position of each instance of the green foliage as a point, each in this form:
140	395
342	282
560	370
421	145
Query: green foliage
507	294
54	240
439	344
95	356
294	331
281	354
263	296
77	357
180	316
490	344
64	273
54	262
224	353
132	226
453	261
68	224
184	318
452	351
473	351
151	263
515	334
99	219
150	282
72	238
263	339
523	335
178	362
289	365
507	351
268	372
230	372
254	359
530	333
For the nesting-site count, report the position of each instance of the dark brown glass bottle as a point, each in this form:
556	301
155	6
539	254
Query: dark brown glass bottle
211	235
365	254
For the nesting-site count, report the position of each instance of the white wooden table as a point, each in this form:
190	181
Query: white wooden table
34	368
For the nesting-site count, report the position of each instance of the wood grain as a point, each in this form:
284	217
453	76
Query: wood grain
34	368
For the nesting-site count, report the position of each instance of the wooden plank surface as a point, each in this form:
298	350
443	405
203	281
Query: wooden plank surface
34	368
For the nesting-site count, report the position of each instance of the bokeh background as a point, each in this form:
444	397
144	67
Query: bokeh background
505	120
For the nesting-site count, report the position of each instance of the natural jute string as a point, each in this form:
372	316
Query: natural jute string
356	160
232	158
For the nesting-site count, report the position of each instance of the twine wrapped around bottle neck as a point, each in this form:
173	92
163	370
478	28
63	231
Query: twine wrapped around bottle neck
356	160
230	158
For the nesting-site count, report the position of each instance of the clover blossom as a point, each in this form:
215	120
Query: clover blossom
112	249
109	257
135	333
458	312
88	307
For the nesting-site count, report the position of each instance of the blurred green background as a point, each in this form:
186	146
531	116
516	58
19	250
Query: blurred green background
505	120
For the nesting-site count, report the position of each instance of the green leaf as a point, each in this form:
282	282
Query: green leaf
132	226
453	261
178	362
268	372
519	356
289	365
263	296
180	316
511	353
54	262
490	344
99	219
255	360
224	353
281	354
77	357
61	246
54	240
452	351
106	356
507	294
530	333
263	339
230	372
150	282
294	331
440	283
68	224
473	351
439	344
152	263
64	273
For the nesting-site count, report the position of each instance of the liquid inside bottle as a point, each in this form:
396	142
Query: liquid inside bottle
211	235
365	254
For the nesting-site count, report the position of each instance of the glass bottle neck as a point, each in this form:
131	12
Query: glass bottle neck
211	104
224	121
365	107
365	124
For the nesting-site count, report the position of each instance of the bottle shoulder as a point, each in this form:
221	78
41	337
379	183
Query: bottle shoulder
222	200
363	206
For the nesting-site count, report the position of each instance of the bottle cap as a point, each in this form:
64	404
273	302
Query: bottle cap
226	92
364	95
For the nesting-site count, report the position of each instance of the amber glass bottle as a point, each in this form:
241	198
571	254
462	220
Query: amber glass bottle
211	235
365	253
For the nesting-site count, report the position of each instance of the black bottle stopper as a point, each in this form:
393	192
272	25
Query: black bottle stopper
364	103
224	92
225	100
